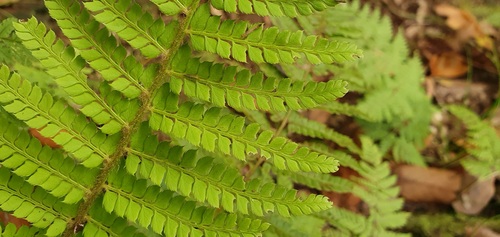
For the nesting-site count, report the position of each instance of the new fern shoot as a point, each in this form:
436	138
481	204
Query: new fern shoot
114	173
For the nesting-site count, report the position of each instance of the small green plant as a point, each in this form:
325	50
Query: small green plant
112	175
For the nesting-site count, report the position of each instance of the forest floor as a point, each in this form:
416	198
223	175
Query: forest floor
458	42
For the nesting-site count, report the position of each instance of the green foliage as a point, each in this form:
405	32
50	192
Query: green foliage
377	188
483	144
292	8
10	230
11	48
385	74
112	172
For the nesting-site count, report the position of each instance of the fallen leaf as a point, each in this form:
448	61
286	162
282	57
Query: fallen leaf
6	218
476	195
421	184
448	64
466	26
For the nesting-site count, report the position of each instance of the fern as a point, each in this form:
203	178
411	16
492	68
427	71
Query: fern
377	188
11	230
112	173
483	143
11	48
384	74
241	89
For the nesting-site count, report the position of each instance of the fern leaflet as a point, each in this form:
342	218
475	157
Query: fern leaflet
229	38
54	120
219	85
273	7
133	25
66	68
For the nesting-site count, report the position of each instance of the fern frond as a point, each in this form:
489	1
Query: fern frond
219	85
483	143
54	120
273	7
11	47
11	230
304	126
172	7
335	107
298	226
33	204
103	224
323	182
42	166
135	26
233	38
170	214
102	51
378	189
215	183
350	223
227	133
66	67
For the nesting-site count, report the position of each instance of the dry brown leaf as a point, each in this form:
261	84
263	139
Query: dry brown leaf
420	184
449	65
6	218
476	195
466	26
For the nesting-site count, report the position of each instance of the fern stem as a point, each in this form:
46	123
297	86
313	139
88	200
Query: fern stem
146	99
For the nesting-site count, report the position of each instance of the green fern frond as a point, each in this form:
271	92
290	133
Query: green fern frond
298	226
483	143
335	107
169	214
11	230
66	67
227	133
215	183
11	47
323	182
99	48
274	7
54	120
172	7
348	223
42	166
135	26
33	204
303	126
233	38
100	223
219	85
